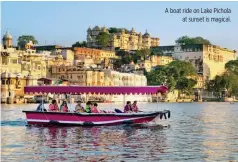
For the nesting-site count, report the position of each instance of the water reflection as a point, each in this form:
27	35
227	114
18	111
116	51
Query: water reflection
219	125
99	143
196	132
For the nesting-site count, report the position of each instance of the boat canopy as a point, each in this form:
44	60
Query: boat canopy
96	90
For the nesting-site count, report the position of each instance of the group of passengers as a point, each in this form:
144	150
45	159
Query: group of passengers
54	107
90	107
131	107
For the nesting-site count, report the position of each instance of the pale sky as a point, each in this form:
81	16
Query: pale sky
64	23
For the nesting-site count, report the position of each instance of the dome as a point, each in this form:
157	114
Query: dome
7	35
123	30
96	28
146	34
133	30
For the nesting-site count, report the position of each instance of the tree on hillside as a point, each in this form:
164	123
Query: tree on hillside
103	39
219	83
24	39
80	44
192	40
232	66
117	30
176	75
142	54
185	85
184	68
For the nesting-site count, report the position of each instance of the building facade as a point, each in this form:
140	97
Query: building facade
154	61
208	60
79	75
12	87
95	54
125	40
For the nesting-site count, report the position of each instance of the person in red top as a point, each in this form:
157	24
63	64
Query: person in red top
64	107
128	107
94	108
53	106
134	106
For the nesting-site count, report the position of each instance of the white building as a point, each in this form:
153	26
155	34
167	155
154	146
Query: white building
125	79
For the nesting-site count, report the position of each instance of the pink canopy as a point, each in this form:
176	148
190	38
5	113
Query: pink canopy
97	90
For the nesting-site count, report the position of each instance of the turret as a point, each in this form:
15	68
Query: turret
7	40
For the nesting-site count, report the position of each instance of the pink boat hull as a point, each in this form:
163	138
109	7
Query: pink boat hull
86	119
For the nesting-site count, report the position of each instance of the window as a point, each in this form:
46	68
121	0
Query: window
3	82
14	61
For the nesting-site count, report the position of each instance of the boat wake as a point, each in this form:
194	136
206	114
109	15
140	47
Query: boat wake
20	122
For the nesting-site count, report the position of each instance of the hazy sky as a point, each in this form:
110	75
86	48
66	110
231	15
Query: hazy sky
64	23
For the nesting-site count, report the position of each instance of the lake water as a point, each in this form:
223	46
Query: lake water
195	132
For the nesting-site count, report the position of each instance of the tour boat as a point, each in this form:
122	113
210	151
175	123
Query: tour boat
91	119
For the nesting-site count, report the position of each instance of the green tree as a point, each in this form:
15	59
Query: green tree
175	76
228	80
24	39
103	39
117	30
232	66
184	68
192	40
80	44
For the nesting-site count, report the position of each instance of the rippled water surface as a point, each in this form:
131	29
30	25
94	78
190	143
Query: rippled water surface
195	132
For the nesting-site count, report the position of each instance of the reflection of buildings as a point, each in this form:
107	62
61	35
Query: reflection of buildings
126	40
219	126
209	60
101	144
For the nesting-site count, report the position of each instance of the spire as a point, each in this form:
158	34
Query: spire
146	34
133	30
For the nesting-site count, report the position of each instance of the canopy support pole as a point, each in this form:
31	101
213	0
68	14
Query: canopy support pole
86	98
42	103
157	101
124	99
70	101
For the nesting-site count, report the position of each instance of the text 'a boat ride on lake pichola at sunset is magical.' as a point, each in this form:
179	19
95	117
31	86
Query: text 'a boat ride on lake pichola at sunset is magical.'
201	10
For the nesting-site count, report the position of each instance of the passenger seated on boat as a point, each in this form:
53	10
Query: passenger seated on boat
64	107
94	108
134	106
53	106
88	107
128	107
79	108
